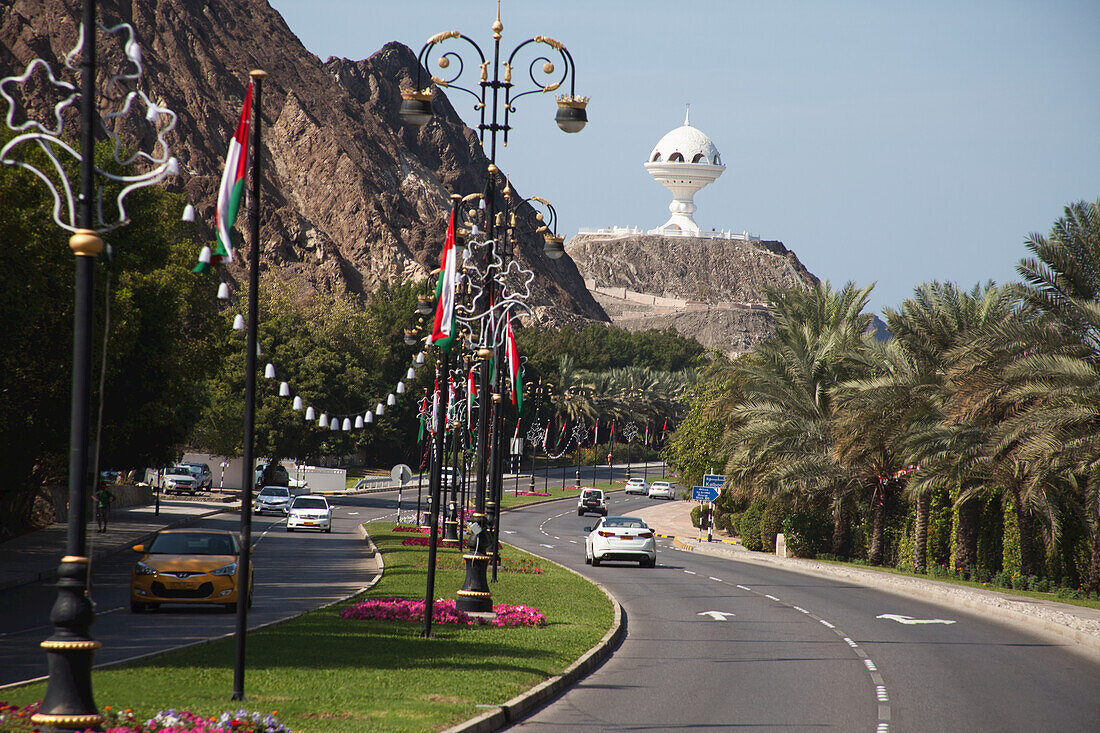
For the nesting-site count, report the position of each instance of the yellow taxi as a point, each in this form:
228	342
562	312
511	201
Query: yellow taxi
188	566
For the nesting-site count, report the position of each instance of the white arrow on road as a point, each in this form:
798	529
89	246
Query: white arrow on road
909	620
715	615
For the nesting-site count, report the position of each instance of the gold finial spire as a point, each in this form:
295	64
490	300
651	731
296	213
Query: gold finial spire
497	25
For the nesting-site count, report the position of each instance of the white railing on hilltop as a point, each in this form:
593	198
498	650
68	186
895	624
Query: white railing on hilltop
631	231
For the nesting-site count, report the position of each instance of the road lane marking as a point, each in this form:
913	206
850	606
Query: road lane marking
744	588
850	643
715	615
714	578
826	623
870	665
544	545
880	691
772	598
910	621
573	542
800	609
690	572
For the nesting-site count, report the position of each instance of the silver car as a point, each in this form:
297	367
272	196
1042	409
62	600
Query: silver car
274	499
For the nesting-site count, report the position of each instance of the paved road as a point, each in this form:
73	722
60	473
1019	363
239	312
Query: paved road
295	572
796	653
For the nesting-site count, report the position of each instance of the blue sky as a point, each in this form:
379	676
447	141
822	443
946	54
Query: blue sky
883	142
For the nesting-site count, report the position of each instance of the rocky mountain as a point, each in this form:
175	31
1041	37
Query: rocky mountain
353	198
711	289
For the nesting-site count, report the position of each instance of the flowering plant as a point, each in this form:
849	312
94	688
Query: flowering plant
423	541
444	611
532	493
18	720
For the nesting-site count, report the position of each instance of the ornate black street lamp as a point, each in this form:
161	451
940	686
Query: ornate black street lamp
68	703
496	95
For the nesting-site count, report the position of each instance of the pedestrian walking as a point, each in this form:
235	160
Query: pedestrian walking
103	499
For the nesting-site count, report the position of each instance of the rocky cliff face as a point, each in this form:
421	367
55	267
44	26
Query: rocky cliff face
353	198
708	289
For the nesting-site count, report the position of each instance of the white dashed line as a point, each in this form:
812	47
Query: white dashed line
772	598
714	578
826	623
572	542
690	572
744	588
800	609
544	545
850	643
883	728
880	691
870	665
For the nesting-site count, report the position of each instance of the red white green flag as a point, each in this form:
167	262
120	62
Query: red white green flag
231	191
471	395
443	329
515	371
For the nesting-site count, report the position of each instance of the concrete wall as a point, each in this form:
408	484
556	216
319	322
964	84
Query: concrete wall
125	495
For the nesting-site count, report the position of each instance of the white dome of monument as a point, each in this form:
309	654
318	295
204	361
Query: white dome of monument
684	161
691	145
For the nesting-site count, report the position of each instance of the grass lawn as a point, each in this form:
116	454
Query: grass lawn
326	674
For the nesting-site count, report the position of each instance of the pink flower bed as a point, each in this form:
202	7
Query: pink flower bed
407	528
532	493
443	612
18	720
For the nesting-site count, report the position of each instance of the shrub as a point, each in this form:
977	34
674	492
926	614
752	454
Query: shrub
771	524
806	532
695	512
750	526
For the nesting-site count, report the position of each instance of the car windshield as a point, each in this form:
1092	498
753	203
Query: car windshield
660	484
193	543
195	470
179	471
591	495
275	491
310	503
632	523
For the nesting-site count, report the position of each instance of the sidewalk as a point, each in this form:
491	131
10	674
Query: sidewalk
35	556
1078	623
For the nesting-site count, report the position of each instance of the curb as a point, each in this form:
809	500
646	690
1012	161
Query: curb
100	554
931	592
527	702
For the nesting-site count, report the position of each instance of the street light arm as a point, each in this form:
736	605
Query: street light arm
445	60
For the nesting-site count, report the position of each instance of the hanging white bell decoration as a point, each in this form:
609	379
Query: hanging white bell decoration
346	425
310	414
238	322
358	421
420	358
411	374
269	370
379	409
223	291
323	421
400	388
297	403
391	400
334	423
369	417
189	213
204	255
284	390
258	350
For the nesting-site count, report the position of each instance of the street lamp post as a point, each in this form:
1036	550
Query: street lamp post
496	96
68	703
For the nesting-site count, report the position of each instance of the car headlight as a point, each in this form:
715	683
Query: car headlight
143	569
229	569
170	482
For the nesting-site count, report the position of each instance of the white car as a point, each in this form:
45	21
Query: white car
309	512
636	486
660	490
178	479
274	499
620	538
592	500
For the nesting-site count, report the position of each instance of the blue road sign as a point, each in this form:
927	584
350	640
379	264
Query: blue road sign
704	493
714	481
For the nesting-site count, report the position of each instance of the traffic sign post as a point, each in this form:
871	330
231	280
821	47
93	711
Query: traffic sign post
715	481
704	493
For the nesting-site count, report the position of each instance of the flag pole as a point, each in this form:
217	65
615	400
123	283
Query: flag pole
244	577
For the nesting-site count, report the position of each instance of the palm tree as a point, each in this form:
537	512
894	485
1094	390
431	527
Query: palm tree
782	437
1056	374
